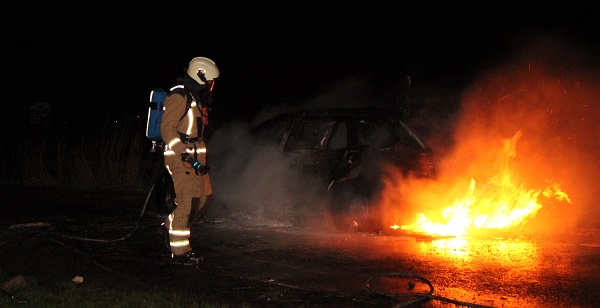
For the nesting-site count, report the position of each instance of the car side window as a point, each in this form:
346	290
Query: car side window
339	137
374	133
311	135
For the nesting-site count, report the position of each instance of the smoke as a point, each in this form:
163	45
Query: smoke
548	93
347	92
256	182
545	96
253	182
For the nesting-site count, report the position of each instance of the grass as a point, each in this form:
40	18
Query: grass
115	156
115	159
74	295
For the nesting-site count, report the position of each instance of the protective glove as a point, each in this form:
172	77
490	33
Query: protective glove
190	162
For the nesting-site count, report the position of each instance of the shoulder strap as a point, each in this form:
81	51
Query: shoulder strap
184	92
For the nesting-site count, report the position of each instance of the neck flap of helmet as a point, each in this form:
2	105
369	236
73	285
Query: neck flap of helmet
200	92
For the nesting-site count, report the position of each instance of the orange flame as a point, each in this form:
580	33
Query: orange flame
502	202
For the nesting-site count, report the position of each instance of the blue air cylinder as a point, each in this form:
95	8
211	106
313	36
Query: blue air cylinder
155	112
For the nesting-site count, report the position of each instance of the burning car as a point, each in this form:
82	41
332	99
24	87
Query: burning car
349	148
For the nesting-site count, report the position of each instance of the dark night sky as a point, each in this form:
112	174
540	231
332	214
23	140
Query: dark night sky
109	57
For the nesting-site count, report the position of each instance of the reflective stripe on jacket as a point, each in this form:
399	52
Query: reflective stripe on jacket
172	124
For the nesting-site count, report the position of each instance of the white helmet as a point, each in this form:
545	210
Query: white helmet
204	65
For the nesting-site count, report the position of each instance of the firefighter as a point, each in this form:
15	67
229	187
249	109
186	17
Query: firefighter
183	126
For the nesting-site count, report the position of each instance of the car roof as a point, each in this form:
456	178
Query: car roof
344	112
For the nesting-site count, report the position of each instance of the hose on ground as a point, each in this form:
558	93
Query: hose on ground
125	237
414	297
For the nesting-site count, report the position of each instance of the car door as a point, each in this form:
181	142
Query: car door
345	153
309	144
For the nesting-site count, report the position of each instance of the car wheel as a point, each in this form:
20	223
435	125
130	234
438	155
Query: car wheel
350	210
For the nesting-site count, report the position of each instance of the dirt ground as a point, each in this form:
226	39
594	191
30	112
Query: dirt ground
111	239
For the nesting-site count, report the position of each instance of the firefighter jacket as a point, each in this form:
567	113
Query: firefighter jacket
180	121
182	131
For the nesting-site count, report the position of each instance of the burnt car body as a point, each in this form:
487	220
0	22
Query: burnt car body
348	148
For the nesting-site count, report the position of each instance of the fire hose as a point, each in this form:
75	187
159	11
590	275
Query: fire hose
417	297
137	225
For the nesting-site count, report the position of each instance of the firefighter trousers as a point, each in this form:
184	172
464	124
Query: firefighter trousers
190	188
